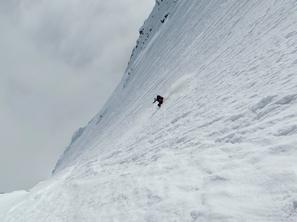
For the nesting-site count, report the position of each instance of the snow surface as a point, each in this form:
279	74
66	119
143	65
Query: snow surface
8	201
222	147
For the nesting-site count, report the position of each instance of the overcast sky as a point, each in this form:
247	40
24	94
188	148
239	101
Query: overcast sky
59	62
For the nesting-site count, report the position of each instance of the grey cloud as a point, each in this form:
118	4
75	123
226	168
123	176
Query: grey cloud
59	62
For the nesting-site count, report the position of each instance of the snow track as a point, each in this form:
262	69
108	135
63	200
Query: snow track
222	147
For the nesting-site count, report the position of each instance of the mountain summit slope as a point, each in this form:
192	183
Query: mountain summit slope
222	147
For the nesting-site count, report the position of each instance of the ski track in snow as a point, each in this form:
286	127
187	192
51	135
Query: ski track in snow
221	148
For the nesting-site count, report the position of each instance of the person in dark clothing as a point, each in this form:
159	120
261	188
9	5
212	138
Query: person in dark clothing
159	99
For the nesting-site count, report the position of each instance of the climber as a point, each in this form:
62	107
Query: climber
159	99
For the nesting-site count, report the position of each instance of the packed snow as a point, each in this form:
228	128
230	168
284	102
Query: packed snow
222	147
10	200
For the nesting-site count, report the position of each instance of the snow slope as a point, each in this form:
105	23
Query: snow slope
8	201
223	147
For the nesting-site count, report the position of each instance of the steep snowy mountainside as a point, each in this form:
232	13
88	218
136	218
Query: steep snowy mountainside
222	147
148	33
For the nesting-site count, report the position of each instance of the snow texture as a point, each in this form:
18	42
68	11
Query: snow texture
8	201
222	147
